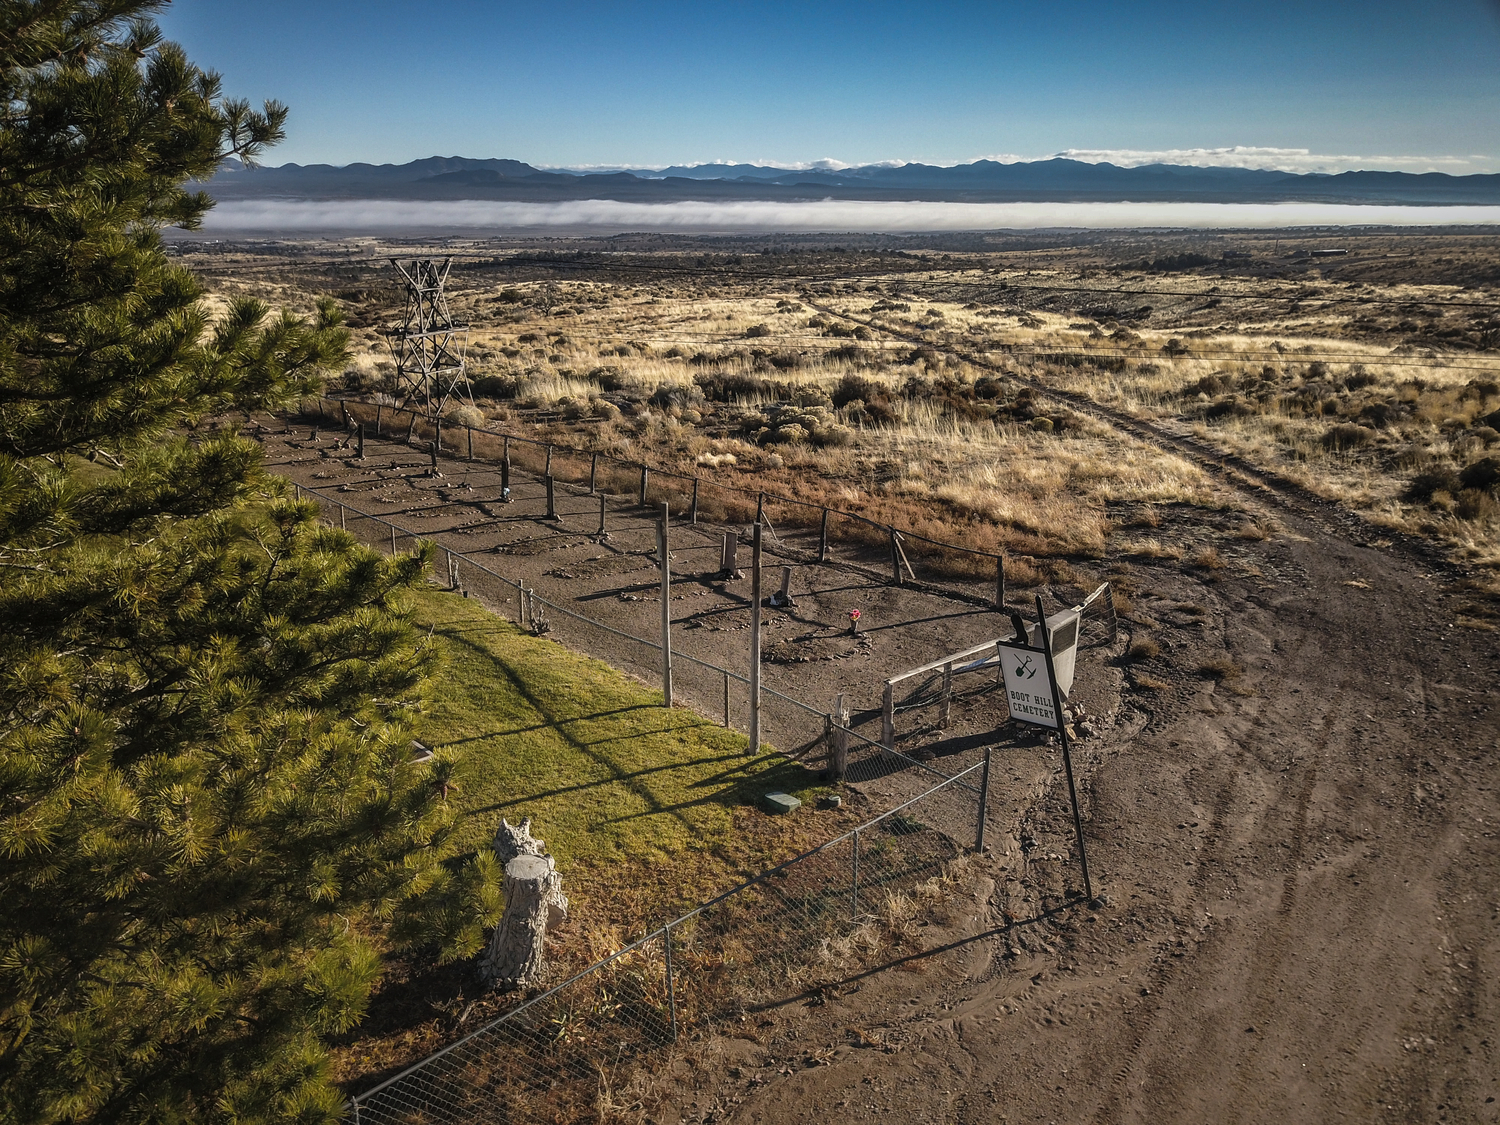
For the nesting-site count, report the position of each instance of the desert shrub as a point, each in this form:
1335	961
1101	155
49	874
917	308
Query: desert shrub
1042	424
1231	406
494	386
790	434
989	387
671	396
735	386
833	435
1475	504
1216	384
1483	475
1430	481
812	396
463	415
1358	378
1348	436
608	378
604	410
851	387
1378	414
757	330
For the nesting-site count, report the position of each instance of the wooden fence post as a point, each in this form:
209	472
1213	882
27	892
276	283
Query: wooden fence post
838	750
895	559
551	504
547	471
645	476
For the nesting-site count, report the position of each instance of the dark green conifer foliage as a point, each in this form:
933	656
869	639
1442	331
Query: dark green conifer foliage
210	820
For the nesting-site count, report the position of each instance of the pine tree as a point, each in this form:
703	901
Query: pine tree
211	825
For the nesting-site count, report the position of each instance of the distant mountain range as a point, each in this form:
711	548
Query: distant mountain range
984	181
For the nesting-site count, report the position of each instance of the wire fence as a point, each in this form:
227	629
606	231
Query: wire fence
801	729
599	1039
799	530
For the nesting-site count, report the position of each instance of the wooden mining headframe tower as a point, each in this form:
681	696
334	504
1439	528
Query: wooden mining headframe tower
427	346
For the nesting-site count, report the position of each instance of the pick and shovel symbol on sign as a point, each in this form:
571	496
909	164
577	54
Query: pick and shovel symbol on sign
1024	668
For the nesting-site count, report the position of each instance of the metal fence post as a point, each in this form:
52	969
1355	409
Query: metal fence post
888	717
602	532
342	525
754	746
895	559
726	700
593	472
1000	583
666	608
823	538
984	801
470	434
379	408
854	882
693	511
393	540
359	441
551	501
547	472
671	991
645	478
505	474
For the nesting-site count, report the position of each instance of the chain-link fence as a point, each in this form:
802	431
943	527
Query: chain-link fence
798	531
598	1039
798	728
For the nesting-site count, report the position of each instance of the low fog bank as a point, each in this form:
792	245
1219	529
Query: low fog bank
825	216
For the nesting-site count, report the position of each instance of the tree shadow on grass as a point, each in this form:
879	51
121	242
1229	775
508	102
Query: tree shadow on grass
736	786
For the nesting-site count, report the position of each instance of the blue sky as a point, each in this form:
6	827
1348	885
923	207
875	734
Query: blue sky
1306	86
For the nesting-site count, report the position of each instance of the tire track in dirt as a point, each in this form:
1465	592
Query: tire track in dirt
1231	468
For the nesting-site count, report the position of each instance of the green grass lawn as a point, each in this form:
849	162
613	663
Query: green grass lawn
612	781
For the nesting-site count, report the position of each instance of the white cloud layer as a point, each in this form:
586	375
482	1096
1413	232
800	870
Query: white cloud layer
825	216
1279	159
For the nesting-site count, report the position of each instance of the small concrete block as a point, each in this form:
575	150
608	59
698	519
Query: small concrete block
780	803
